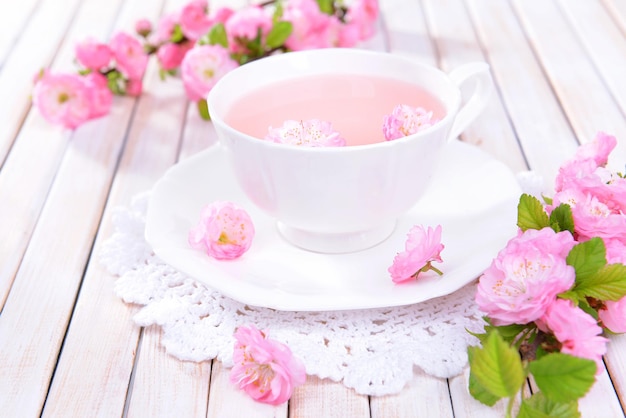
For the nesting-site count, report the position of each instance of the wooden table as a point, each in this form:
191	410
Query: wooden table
68	345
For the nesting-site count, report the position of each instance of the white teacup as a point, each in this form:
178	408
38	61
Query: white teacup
343	199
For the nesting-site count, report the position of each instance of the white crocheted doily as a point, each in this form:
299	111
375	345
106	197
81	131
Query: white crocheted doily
373	351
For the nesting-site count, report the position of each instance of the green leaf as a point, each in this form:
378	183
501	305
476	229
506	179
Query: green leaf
203	109
508	332
497	367
563	378
538	406
177	34
609	283
279	34
562	216
531	214
217	35
587	258
326	6
480	393
278	11
115	82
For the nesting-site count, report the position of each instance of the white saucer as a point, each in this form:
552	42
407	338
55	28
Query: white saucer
474	198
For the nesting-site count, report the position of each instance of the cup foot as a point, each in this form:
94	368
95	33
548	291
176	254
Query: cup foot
336	243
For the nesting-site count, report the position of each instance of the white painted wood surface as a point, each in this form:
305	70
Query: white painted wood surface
68	346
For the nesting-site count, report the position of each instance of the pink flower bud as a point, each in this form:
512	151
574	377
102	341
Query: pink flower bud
143	27
131	59
134	87
93	55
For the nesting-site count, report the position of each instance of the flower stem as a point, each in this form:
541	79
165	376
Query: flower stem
436	270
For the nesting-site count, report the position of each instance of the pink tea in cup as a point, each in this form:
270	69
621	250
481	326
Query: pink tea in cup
355	104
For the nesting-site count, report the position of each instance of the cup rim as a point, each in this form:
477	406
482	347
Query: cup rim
451	111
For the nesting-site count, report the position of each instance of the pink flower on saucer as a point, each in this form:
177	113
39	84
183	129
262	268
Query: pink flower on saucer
308	133
225	231
265	369
406	120
423	246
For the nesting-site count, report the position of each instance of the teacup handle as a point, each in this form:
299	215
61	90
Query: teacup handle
476	103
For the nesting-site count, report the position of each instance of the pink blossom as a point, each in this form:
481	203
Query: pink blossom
613	316
194	21
362	15
143	27
598	150
423	246
100	97
615	251
134	87
165	28
349	35
265	369
312	28
202	67
225	231
129	55
62	99
245	24
222	14
577	331
93	55
171	55
308	133
594	218
406	120
526	276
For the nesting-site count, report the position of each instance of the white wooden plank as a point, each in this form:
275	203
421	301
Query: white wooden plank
151	148
615	360
406	29
225	400
12	21
456	43
423	395
328	399
38	308
601	401
603	42
164	386
617	9
34	319
35	157
538	120
589	106
33	51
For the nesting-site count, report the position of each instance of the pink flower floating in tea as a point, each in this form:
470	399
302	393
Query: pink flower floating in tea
308	133
406	120
224	232
422	248
265	369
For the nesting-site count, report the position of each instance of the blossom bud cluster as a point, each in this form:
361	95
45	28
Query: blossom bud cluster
199	44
